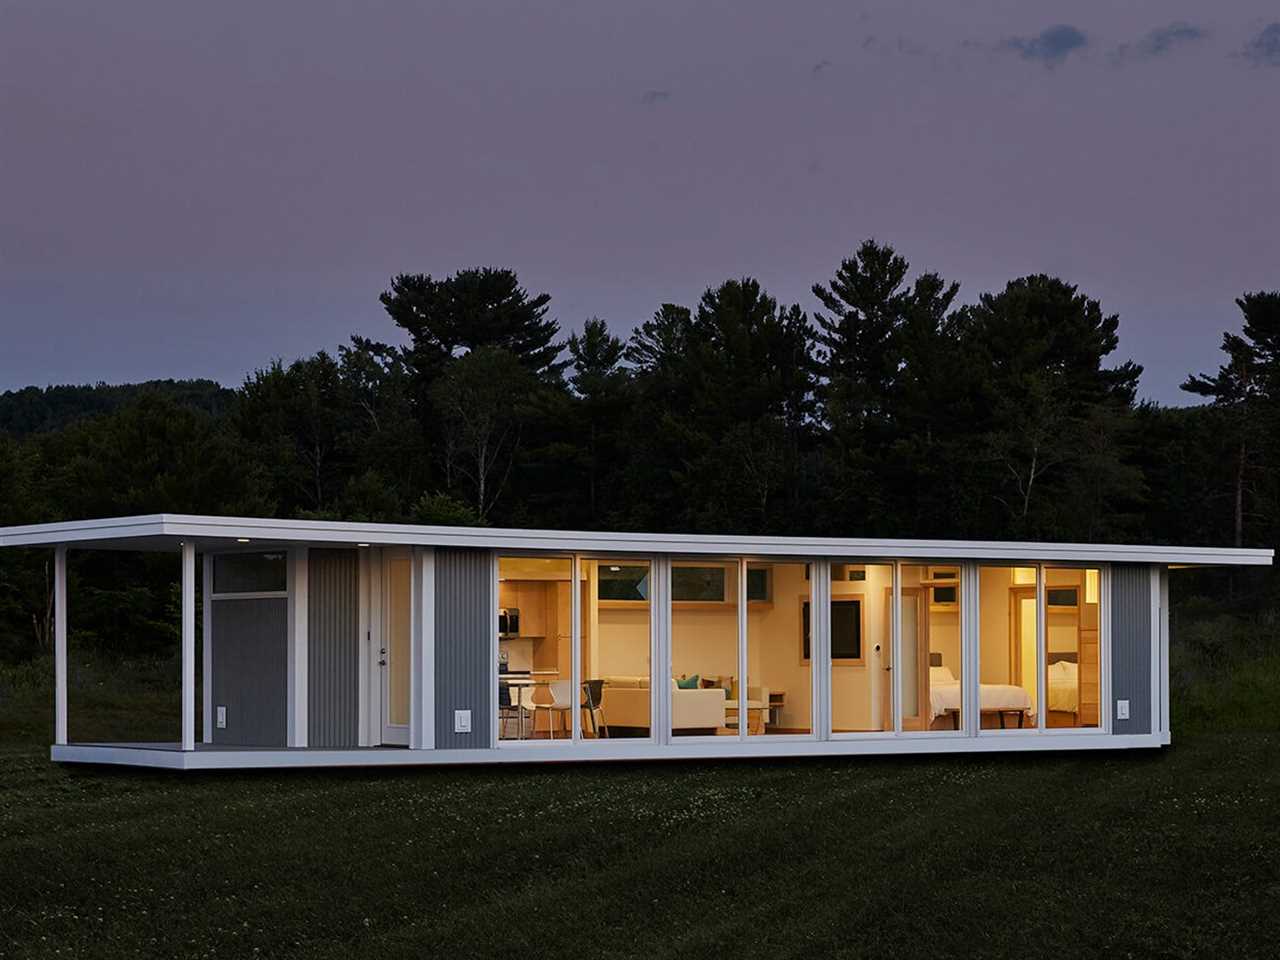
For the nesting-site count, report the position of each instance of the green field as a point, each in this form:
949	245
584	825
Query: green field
1173	853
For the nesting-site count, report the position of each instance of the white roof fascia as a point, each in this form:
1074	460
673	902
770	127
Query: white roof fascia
227	530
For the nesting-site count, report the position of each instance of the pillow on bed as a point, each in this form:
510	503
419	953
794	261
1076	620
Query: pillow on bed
941	675
1063	670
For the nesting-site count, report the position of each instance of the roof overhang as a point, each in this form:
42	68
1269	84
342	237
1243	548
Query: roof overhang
165	531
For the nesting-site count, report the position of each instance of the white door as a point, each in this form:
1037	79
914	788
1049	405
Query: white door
393	653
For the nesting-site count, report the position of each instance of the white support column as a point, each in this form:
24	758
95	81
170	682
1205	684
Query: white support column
188	645
1164	651
60	644
296	679
206	642
1156	615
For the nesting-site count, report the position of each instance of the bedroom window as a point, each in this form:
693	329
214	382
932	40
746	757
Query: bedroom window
861	635
1008	644
1071	656
931	656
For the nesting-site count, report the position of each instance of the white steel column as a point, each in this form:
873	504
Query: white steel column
206	648
188	645
296	705
60	644
1164	651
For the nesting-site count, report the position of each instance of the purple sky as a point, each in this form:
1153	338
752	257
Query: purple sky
190	190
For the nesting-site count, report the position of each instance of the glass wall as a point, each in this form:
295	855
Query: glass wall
779	649
704	645
616	611
1072	681
931	657
861	641
744	631
535	653
1008	622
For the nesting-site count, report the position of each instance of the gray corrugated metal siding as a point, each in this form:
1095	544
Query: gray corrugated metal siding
463	646
249	666
1131	646
333	648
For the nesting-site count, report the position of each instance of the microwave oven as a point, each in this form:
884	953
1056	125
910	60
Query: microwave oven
508	622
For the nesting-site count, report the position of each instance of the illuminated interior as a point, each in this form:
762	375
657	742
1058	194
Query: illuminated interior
932	666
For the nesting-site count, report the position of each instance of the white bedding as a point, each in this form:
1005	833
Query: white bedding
1064	687
944	694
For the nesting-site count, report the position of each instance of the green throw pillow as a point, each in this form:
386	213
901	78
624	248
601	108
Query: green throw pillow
689	683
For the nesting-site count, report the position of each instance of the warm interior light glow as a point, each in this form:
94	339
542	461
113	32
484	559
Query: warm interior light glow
361	544
242	539
1091	586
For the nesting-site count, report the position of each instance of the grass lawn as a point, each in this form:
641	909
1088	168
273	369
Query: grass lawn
1174	853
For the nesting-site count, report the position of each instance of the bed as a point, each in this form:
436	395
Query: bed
1004	700
1064	684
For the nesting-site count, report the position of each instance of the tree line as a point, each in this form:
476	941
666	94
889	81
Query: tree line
885	407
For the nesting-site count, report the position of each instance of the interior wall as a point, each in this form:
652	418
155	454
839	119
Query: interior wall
993	618
624	642
775	645
704	641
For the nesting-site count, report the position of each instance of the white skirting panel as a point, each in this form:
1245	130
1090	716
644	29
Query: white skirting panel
226	758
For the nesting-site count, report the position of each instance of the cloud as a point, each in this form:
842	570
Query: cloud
653	97
1050	46
1264	49
1160	41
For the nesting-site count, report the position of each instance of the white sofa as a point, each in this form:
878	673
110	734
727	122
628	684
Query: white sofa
625	701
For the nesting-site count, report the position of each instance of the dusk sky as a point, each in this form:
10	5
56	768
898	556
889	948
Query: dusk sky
189	190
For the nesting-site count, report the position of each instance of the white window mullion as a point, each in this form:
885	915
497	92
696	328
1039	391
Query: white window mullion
743	665
1042	647
970	622
820	647
895	640
660	671
575	641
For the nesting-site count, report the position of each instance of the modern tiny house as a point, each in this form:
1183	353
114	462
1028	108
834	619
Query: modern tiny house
348	644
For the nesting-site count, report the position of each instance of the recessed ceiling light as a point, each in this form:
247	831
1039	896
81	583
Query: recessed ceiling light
242	539
615	569
361	544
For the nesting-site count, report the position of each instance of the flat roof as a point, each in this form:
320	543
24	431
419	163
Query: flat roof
165	531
